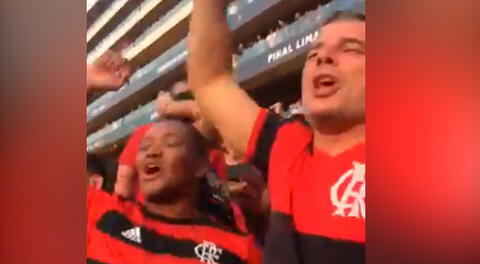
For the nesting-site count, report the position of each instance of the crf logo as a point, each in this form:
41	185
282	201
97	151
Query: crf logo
208	252
350	202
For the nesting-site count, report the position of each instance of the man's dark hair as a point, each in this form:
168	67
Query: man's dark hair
212	200
95	165
199	143
343	15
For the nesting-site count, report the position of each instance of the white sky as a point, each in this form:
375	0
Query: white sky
90	3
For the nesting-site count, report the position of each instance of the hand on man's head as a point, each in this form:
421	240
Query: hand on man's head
163	99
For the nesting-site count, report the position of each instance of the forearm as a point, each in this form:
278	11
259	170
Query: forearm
210	44
211	78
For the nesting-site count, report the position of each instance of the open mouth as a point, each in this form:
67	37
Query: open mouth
325	85
325	80
151	169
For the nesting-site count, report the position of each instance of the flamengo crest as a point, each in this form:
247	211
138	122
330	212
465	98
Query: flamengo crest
208	252
350	202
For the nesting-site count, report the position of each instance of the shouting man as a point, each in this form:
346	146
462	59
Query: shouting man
316	171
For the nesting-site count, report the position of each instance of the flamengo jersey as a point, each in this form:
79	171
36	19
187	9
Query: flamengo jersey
123	232
318	200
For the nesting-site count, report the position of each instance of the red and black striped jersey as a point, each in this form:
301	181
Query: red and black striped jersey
121	232
318	200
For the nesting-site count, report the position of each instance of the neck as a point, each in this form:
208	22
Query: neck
334	137
185	208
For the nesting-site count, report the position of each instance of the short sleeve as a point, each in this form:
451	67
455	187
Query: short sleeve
261	140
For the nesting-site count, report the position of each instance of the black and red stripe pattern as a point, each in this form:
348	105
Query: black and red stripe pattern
158	239
303	227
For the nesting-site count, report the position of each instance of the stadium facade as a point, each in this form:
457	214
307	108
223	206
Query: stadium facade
275	36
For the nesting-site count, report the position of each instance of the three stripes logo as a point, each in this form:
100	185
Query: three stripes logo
133	235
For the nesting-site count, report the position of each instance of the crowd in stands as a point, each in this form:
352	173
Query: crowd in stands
245	51
214	178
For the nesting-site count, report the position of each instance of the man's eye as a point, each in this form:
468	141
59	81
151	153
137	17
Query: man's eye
354	50
311	56
144	147
172	143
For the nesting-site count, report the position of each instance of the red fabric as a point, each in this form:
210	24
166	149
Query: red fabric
217	162
257	128
302	183
107	243
129	153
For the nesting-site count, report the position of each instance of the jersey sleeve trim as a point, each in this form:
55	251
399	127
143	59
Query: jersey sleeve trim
261	140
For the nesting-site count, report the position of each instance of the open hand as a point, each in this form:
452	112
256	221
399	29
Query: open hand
109	72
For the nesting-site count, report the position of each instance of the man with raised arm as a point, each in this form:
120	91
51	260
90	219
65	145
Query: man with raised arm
316	171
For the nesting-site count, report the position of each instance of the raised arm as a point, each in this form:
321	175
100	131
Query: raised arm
107	73
211	78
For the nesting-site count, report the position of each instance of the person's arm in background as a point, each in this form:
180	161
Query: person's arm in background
107	73
110	72
211	78
125	184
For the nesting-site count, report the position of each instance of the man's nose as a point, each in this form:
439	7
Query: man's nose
154	153
326	59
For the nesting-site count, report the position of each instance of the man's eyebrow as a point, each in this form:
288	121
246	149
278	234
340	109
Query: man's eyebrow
345	41
145	140
317	46
169	134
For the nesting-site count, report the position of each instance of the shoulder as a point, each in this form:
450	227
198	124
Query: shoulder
99	201
294	130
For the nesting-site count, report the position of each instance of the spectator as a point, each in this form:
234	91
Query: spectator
179	104
95	172
177	222
316	173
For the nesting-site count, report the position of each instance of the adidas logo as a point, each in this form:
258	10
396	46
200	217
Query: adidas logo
133	235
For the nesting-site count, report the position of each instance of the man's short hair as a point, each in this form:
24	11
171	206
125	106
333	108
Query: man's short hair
95	165
343	15
199	143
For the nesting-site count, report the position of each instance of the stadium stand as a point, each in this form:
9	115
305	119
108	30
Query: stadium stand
273	36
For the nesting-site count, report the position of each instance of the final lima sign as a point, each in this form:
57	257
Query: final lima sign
292	47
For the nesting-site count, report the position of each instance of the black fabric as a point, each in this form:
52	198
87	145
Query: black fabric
284	245
92	261
235	172
280	246
318	249
114	223
213	201
268	133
